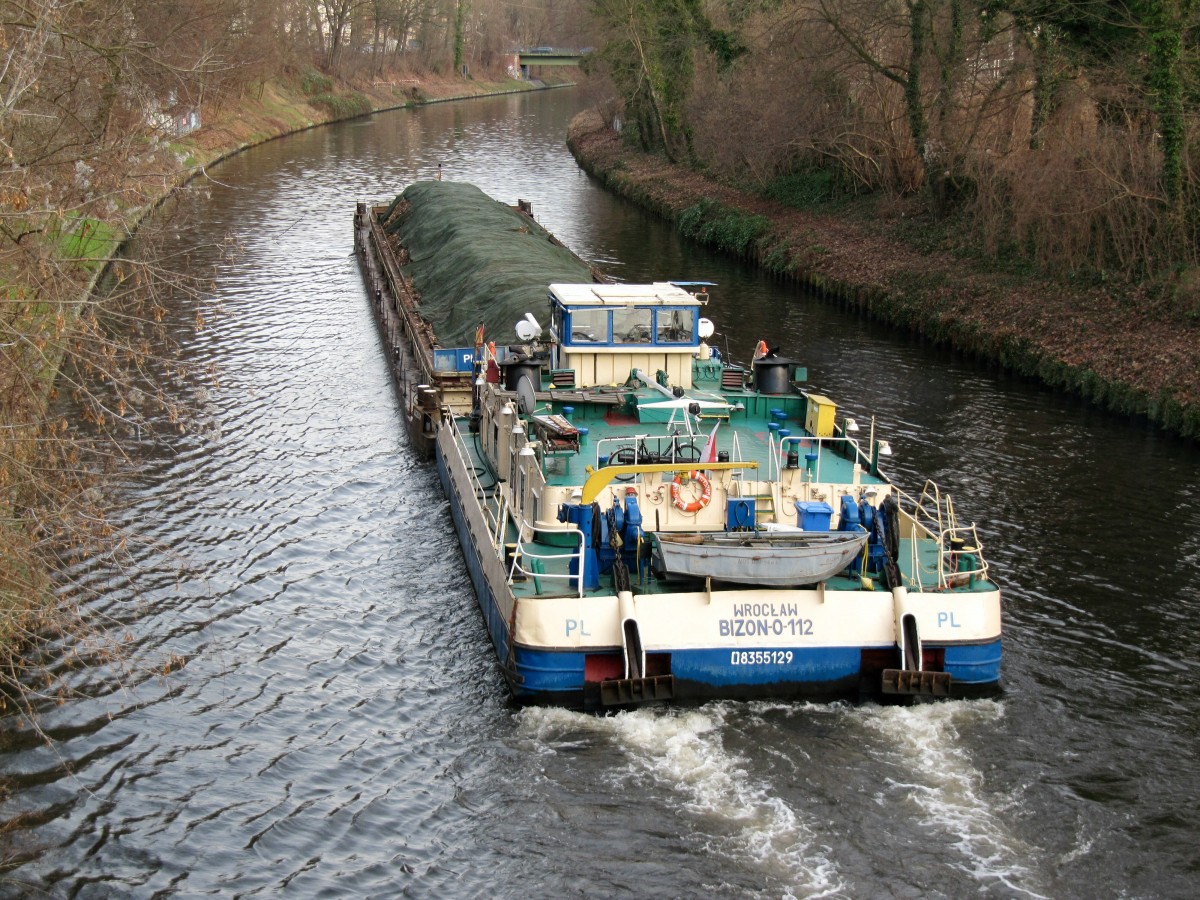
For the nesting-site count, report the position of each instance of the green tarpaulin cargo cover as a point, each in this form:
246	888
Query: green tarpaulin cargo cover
472	260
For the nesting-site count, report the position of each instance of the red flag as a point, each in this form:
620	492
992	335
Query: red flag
710	451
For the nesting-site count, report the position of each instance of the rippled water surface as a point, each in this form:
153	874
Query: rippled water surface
337	726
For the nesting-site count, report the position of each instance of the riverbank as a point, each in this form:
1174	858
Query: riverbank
1116	349
28	607
283	108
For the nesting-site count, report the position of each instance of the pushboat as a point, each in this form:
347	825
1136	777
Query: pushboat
646	521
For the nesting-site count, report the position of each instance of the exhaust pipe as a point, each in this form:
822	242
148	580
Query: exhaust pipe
631	638
908	636
911	678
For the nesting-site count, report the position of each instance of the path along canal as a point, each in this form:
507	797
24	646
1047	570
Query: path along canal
339	729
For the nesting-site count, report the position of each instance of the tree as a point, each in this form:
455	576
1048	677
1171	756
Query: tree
460	13
338	16
1139	60
650	54
920	46
86	102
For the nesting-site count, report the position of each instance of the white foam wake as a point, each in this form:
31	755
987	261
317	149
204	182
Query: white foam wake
731	814
947	787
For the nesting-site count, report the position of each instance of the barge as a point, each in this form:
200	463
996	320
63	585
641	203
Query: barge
645	521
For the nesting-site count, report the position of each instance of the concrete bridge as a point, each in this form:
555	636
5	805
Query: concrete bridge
547	56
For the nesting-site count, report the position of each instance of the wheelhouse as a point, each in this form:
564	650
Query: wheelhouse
605	330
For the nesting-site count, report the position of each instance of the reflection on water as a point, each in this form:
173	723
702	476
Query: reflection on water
338	726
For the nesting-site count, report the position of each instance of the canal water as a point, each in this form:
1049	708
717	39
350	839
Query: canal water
308	703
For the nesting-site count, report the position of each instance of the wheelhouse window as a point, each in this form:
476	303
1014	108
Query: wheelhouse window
675	326
633	326
629	325
589	326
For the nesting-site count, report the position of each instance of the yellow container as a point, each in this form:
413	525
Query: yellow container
819	419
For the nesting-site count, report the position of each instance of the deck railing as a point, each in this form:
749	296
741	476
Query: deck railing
538	572
815	446
494	503
960	560
498	512
648	448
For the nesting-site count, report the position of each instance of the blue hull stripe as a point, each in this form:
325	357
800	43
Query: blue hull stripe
974	663
724	668
496	625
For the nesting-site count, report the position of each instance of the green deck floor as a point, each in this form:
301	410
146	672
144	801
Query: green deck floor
753	444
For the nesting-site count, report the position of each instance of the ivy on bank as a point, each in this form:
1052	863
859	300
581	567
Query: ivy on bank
731	230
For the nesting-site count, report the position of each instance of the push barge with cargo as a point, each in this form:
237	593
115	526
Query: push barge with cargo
643	520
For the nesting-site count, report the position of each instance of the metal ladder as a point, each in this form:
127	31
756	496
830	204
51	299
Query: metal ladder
764	504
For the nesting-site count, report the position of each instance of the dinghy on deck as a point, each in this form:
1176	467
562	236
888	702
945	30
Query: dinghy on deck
774	559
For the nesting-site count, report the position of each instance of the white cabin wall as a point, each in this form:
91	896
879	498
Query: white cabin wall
593	368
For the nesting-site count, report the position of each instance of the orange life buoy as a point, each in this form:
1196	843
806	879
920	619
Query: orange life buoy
760	350
697	504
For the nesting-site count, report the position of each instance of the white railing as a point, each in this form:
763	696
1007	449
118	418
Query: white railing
518	566
497	512
494	508
649	448
498	525
960	552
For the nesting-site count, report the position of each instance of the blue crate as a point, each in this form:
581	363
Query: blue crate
454	359
740	514
813	515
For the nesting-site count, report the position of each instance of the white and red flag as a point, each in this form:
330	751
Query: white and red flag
710	449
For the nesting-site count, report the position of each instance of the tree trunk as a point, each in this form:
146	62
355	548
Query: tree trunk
914	106
1166	47
460	15
1043	87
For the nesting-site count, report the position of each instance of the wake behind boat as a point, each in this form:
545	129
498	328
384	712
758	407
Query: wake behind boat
643	520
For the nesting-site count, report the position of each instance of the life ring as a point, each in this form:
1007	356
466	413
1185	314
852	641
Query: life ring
695	505
760	350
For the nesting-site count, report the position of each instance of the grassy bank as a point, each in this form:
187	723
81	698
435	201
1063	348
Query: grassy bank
285	107
83	246
1117	348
